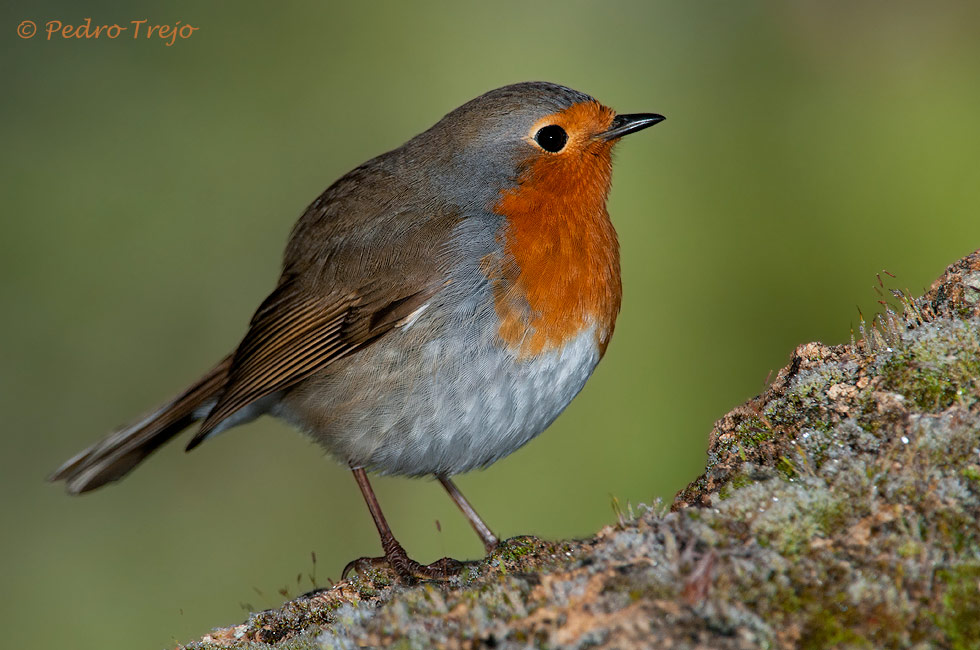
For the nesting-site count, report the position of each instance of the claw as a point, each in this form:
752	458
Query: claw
364	564
406	569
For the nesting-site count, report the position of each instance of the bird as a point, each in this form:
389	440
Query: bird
438	307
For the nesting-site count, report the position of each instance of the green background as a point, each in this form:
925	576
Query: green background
148	192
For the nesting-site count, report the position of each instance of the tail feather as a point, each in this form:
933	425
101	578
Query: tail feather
118	453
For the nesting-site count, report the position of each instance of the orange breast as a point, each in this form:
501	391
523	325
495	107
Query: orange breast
559	271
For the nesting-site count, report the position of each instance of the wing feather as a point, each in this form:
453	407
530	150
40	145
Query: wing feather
296	333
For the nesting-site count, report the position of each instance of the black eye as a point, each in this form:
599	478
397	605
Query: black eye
551	138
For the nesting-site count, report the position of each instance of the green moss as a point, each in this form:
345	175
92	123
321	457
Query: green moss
960	615
528	554
786	468
799	406
739	480
831	516
822	611
828	629
403	643
964	311
971	472
956	528
514	549
749	434
469	573
937	371
927	387
909	549
753	431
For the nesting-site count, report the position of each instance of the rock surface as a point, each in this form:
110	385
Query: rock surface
841	508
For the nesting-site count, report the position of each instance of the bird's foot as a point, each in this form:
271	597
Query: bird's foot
406	569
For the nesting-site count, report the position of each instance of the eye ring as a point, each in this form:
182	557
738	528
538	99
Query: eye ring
551	138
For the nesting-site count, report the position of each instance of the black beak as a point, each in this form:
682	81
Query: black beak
626	124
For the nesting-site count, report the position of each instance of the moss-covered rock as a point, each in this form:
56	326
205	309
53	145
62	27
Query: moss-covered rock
841	508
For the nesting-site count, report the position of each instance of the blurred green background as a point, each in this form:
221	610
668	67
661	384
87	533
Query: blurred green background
148	192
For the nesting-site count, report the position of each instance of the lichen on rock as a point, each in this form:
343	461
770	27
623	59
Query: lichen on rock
840	508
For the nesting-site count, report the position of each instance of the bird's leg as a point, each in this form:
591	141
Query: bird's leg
395	556
490	540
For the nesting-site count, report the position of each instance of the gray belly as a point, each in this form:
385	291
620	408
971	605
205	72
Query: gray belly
438	397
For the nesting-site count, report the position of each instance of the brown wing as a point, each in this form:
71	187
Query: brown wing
296	333
366	254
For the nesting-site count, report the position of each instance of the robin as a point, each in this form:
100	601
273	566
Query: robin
438	306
